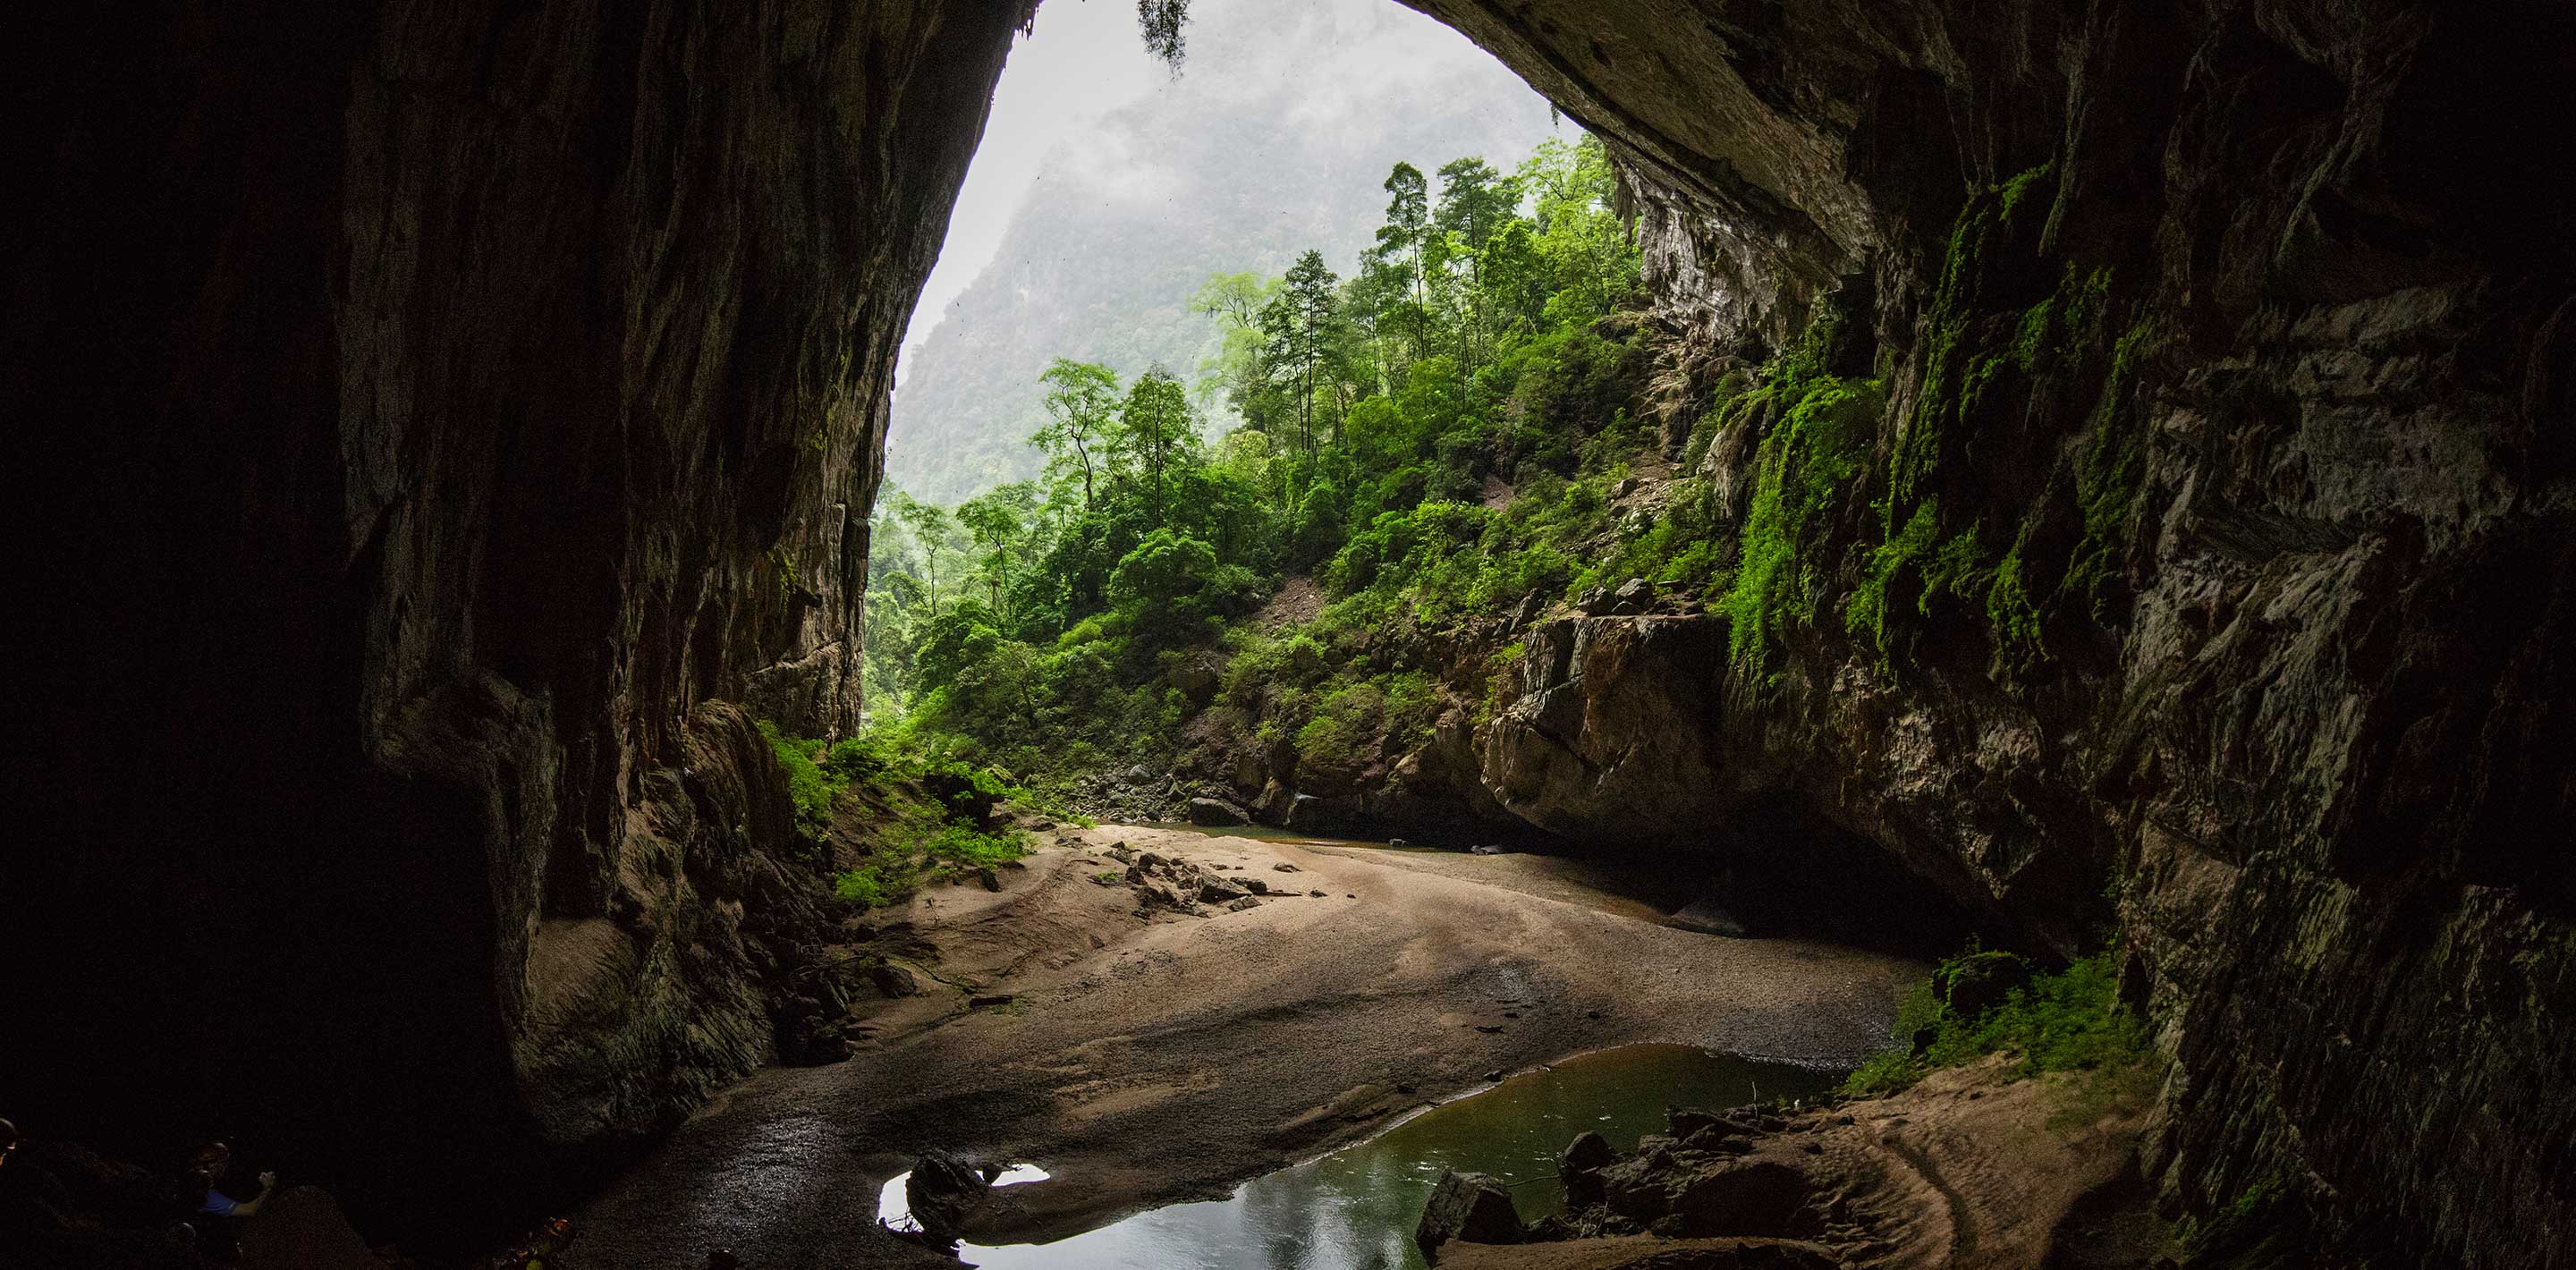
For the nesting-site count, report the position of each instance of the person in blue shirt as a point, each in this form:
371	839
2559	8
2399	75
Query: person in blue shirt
217	1238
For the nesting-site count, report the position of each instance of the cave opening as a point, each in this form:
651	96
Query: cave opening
549	685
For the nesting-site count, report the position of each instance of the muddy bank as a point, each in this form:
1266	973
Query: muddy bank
1969	1169
1146	1057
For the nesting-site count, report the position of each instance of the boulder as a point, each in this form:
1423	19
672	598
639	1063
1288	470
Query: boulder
942	1190
1470	1207
1633	596
1979	982
1215	813
1588	1153
1242	904
1218	890
1579	1165
1284	867
894	981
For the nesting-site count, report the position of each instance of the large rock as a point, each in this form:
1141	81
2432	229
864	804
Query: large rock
1579	1167
1213	812
1470	1207
942	1190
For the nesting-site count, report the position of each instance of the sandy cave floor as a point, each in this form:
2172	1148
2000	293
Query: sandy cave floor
1150	1060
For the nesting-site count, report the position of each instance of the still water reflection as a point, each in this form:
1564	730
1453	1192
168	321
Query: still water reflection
1355	1209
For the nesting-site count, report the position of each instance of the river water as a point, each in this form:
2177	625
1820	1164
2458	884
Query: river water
1355	1209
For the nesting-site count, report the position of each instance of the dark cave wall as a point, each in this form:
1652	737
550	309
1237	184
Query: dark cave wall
428	415
2286	702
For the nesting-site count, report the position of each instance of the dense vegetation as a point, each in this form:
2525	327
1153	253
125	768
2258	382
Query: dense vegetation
1983	1002
919	819
1438	436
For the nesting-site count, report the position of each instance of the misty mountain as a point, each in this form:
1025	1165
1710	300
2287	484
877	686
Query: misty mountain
1275	138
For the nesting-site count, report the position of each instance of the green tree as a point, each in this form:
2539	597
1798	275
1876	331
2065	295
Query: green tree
1239	371
933	532
999	522
1298	325
1475	201
1158	432
1400	243
1081	407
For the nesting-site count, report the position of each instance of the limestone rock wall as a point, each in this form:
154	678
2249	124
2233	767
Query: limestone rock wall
425	414
2233	339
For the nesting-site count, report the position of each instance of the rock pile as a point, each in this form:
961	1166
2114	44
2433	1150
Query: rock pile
1167	883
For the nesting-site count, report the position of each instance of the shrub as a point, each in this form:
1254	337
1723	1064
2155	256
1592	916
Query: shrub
809	787
2071	1020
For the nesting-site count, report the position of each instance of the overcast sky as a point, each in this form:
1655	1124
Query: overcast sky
1084	60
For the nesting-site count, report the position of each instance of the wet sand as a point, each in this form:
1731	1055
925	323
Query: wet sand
1149	1060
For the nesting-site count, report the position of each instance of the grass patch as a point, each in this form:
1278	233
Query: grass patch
2068	1021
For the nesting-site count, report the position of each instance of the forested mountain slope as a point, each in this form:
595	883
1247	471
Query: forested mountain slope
1228	171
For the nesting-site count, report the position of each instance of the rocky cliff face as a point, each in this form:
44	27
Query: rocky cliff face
2200	563
426	415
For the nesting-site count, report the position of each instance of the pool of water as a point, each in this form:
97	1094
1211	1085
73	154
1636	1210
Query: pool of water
1355	1209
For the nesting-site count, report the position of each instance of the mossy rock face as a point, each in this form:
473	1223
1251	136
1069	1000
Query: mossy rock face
1978	982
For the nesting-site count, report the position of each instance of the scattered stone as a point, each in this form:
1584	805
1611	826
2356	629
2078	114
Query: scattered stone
1351	895
1043	826
1496	1074
1214	813
1242	904
1485	851
989	998
992	881
1020	865
1633	595
1318	894
1151	860
1285	867
1217	890
1398	843
1466	1206
1489	1030
1254	885
894	981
